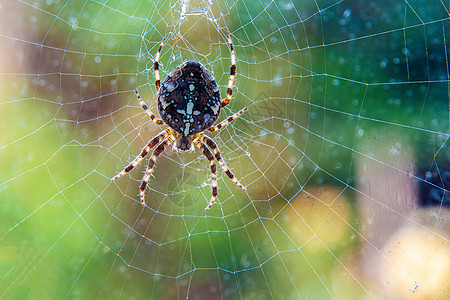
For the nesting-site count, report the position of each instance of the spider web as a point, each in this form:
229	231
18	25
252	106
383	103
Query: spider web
344	151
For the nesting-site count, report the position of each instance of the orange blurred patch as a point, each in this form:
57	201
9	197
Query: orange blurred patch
416	264
318	218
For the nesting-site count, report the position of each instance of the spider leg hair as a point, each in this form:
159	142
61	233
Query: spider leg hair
232	74
147	110
211	144
153	142
228	120
151	164
207	153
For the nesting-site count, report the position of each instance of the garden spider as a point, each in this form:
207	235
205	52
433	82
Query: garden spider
189	103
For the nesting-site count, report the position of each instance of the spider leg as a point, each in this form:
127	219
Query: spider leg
228	120
156	66
151	164
153	142
232	74
211	144
207	153
147	110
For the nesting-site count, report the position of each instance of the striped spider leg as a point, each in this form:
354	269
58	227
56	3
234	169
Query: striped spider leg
189	102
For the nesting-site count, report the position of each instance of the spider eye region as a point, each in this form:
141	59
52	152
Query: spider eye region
189	99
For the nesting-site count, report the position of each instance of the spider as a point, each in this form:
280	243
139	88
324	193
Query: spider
189	103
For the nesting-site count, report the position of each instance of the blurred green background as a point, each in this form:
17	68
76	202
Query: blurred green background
344	151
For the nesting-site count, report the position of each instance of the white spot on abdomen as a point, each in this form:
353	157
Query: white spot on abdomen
189	108
191	87
170	86
186	130
215	108
164	104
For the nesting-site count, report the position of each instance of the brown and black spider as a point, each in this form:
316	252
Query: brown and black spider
189	103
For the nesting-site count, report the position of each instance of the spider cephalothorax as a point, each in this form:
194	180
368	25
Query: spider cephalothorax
189	103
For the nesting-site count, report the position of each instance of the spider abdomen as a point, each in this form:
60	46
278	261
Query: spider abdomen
189	99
